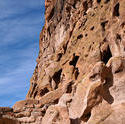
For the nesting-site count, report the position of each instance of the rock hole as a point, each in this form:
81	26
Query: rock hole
75	121
51	14
65	47
106	1
98	1
119	70
68	8
44	91
76	73
49	31
123	24
85	5
35	94
118	37
106	55
94	77
43	112
74	60
59	56
69	88
116	10
67	27
103	24
56	101
92	28
80	36
56	77
86	35
74	5
86	116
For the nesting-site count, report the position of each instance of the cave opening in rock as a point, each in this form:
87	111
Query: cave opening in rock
106	55
86	35
103	24
59	56
118	37
75	121
57	77
85	5
74	60
65	47
35	94
69	88
44	91
87	116
74	5
106	1
51	14
98	1
92	28
76	73
80	36
116	10
49	32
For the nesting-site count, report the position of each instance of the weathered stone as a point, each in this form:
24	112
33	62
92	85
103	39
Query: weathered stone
56	114
26	119
88	92
5	109
64	100
117	116
22	105
36	114
38	120
5	120
80	73
23	114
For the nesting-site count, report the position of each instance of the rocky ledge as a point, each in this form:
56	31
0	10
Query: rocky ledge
80	73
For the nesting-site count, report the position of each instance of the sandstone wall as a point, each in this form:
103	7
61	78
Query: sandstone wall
80	72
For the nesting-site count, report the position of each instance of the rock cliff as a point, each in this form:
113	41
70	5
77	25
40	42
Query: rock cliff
80	73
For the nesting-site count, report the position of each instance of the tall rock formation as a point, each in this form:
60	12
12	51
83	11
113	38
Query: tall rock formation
80	73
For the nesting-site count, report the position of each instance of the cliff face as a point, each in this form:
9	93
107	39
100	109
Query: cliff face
80	72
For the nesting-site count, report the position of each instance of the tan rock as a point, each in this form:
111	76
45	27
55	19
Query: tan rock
118	86
56	114
23	114
21	105
36	114
117	116
100	113
5	109
80	73
26	119
64	100
88	92
8	121
54	95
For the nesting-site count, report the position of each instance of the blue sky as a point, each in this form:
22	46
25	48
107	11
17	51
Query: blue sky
20	24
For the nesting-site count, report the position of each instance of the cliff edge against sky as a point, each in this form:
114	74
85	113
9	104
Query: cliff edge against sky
80	73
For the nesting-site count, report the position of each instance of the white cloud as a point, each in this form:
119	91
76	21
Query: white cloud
12	7
25	27
20	25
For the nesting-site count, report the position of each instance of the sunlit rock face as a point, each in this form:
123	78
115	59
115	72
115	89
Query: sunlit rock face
80	72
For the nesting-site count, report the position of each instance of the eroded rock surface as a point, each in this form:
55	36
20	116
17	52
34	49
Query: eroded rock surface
80	73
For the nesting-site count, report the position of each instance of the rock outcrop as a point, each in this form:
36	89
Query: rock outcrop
80	73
